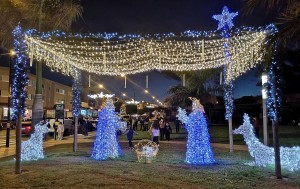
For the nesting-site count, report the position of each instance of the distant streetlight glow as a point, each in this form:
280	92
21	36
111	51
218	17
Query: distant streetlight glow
264	80
146	91
12	52
101	86
124	94
153	97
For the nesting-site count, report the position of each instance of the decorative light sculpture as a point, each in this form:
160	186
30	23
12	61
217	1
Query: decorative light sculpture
76	89
146	150
20	78
264	155
32	149
113	54
225	24
106	144
199	150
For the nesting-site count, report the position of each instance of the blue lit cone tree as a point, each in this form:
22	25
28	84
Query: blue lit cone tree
199	151
106	144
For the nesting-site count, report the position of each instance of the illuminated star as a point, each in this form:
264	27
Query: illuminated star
225	18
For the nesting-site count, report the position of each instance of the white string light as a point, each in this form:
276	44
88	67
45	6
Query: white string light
141	54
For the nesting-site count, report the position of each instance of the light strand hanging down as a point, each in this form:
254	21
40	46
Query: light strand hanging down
112	54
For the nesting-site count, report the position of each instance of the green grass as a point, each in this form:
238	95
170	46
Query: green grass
64	169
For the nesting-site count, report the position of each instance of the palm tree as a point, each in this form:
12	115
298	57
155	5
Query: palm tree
288	22
44	15
200	84
287	14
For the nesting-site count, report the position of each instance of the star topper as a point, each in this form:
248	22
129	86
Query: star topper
225	18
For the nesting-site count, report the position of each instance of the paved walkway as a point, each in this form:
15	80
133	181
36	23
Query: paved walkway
4	152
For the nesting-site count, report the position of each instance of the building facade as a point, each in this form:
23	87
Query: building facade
53	93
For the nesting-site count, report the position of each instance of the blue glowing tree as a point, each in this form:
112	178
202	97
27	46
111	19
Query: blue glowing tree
199	150
106	144
20	79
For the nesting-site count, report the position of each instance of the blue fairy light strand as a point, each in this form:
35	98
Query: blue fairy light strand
225	24
20	77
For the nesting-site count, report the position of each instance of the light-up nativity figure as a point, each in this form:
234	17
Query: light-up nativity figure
106	144
264	155
199	150
32	149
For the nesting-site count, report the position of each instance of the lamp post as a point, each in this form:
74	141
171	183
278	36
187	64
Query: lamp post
264	79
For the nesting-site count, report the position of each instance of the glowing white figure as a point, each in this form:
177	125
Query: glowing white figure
199	150
264	155
32	149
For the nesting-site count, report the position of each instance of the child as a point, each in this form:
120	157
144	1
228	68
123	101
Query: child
130	132
60	130
168	131
154	131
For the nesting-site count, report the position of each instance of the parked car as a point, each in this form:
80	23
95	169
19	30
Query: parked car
26	128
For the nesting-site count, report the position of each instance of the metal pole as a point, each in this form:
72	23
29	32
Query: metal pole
264	80
265	123
18	169
8	104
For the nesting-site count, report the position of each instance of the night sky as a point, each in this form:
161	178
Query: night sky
161	16
158	16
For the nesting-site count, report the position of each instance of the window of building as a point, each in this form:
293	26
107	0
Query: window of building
4	78
60	91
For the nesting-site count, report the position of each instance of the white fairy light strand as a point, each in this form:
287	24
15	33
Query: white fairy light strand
264	155
143	53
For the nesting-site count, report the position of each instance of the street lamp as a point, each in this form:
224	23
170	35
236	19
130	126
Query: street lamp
264	80
101	86
124	94
146	91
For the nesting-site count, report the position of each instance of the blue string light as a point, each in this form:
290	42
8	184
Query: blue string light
20	79
76	101
199	150
273	99
225	23
106	144
270	29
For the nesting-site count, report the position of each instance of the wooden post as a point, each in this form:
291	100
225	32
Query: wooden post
276	149
75	134
18	169
230	135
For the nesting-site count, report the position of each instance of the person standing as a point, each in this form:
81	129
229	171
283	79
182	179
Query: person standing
130	132
162	124
55	126
154	131
168	131
177	125
256	127
60	131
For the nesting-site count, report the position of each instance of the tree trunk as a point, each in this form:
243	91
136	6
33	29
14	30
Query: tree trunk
230	135
18	169
75	134
276	149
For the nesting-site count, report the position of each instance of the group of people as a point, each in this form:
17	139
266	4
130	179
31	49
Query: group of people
58	129
135	121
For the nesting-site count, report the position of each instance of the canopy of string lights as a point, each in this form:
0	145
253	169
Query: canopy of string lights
113	54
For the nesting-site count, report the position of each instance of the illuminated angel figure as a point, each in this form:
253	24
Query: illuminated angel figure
106	144
199	150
